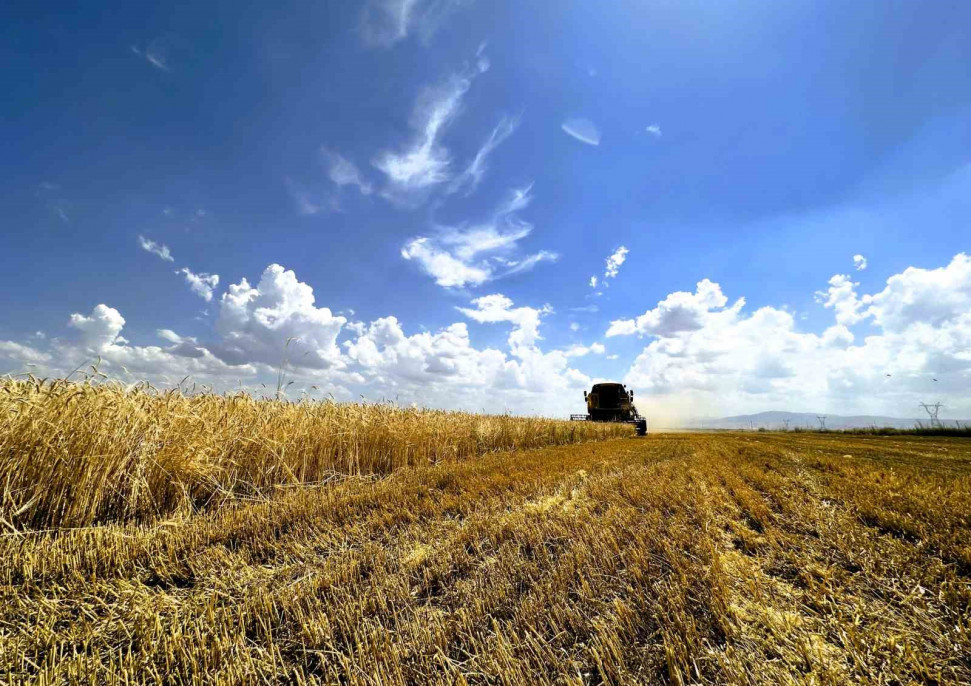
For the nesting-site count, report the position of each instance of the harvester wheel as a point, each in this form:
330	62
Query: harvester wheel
641	427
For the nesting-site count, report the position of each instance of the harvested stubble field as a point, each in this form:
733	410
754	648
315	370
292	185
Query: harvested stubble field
682	558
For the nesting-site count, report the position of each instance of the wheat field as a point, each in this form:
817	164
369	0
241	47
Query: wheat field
765	558
76	454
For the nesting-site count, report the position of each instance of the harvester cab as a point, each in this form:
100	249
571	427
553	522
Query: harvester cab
612	402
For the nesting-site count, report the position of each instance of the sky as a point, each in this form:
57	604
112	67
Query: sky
729	207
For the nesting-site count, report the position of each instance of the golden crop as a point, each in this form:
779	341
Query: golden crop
74	454
677	558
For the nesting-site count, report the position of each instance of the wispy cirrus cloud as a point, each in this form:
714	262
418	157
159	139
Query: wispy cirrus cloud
469	179
474	254
306	202
386	22
342	172
425	162
156	248
51	195
162	52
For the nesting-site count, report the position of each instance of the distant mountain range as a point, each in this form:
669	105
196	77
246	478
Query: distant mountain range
777	420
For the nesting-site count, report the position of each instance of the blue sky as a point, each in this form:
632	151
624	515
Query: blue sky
466	168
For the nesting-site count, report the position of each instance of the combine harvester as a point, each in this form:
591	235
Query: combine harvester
611	402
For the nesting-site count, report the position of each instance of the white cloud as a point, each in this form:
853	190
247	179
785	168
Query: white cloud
615	261
156	248
100	330
386	22
654	130
306	203
574	326
255	323
472	255
930	297
50	195
498	308
678	312
859	262
425	162
583	130
445	370
153	54
440	368
528	262
201	284
447	270
470	178
709	359
22	353
593	282
97	336
342	172
841	296
582	350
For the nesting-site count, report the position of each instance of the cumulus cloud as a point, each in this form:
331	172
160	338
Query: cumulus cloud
444	368
386	22
678	312
97	336
22	353
202	284
471	255
583	130
156	249
704	353
256	321
615	261
383	348
100	329
859	262
342	172
709	357
583	350
841	297
593	282
654	130
498	308
933	297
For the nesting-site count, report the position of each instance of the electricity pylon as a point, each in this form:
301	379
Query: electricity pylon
932	411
